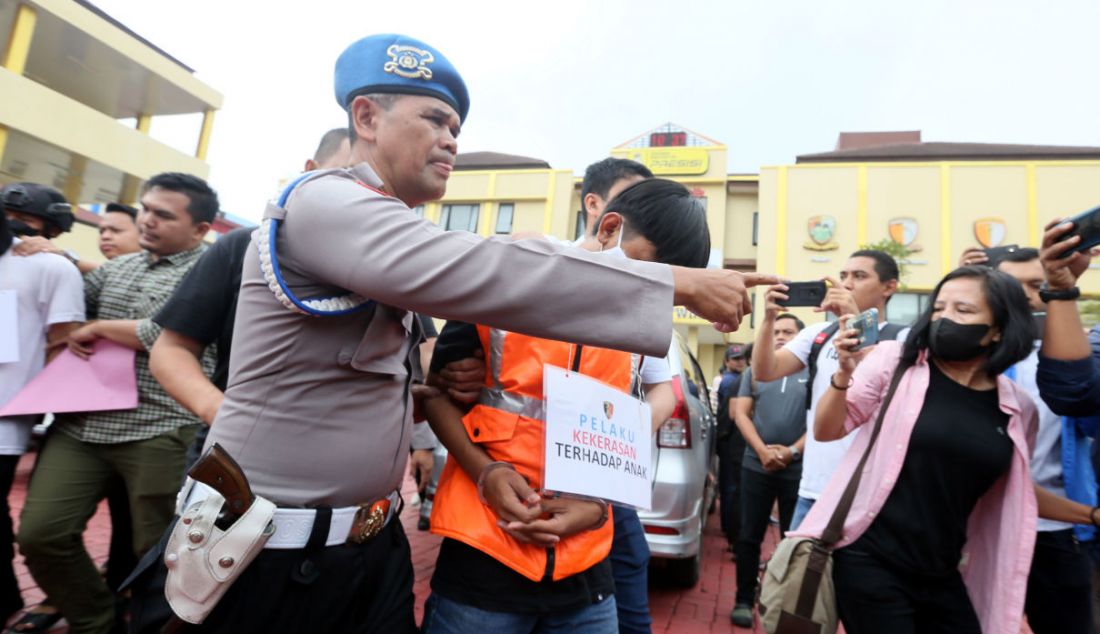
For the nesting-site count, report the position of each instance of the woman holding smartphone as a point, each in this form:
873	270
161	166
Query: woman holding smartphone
940	535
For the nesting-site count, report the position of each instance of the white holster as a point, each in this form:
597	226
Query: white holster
204	560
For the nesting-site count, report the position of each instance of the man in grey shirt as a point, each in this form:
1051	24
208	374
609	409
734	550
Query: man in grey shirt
318	410
771	415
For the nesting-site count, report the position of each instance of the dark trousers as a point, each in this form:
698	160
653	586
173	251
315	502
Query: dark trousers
356	589
70	479
1059	588
874	599
629	566
731	451
10	599
759	492
120	557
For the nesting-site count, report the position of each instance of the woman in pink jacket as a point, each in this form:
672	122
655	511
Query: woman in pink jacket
940	535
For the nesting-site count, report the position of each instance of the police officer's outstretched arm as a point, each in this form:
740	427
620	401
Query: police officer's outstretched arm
534	287
718	295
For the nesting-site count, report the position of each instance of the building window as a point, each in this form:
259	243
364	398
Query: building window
419	211
755	227
505	212
904	308
459	218
579	227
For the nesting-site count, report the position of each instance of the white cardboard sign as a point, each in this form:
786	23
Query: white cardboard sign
598	440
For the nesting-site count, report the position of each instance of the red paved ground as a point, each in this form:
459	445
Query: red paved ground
702	609
705	608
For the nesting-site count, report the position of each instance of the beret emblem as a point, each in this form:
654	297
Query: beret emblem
409	62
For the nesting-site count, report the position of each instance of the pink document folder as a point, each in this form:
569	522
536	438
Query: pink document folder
70	384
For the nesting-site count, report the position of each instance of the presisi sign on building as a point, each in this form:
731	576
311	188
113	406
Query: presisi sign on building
674	160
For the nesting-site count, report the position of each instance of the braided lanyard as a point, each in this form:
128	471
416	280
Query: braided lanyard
326	306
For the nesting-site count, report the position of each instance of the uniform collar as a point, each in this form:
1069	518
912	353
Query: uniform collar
364	172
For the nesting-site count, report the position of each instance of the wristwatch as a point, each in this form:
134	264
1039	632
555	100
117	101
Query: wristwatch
71	255
1051	295
795	453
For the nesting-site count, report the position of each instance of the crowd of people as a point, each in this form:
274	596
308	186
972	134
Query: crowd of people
304	351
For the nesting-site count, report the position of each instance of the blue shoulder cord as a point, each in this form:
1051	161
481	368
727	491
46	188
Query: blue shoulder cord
269	263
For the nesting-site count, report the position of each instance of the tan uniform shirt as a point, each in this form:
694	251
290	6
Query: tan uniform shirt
317	410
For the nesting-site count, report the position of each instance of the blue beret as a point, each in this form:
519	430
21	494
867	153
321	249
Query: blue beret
392	63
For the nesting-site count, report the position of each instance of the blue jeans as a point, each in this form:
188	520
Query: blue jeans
443	616
800	510
630	566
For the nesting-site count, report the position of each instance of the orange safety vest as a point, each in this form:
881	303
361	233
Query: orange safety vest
509	423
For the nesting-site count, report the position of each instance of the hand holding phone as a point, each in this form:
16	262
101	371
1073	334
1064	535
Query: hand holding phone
866	325
857	332
803	294
1087	226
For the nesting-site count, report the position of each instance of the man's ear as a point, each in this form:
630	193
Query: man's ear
610	223
364	116
310	165
891	288
199	229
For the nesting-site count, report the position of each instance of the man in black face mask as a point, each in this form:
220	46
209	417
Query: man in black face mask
41	302
36	210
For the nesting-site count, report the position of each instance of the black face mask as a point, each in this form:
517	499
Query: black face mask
21	229
952	341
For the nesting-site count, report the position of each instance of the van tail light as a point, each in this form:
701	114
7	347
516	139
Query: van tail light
675	433
660	530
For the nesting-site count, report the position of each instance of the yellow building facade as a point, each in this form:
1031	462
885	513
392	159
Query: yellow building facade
78	94
813	215
802	220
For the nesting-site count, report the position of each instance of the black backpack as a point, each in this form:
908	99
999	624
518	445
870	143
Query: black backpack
888	332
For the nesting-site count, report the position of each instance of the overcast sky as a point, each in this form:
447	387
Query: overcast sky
566	81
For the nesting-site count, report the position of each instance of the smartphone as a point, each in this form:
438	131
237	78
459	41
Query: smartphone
804	294
994	255
1086	225
867	325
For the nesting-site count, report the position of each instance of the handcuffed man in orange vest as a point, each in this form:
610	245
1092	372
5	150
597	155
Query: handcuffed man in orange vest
511	559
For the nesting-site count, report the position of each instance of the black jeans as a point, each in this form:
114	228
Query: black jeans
759	492
358	589
731	451
121	558
874	599
10	599
1059	588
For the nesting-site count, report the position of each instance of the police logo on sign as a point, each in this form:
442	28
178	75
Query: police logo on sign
409	62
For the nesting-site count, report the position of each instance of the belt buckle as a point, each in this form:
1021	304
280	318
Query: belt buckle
369	520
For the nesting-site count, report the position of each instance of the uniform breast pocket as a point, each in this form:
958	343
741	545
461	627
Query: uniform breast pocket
384	347
486	424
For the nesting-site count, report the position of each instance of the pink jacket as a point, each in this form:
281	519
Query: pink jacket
1001	530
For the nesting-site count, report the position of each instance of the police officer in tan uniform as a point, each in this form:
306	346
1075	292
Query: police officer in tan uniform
318	409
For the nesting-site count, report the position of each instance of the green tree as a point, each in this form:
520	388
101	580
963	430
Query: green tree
898	251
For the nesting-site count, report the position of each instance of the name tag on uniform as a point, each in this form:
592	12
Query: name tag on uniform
598	440
9	326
